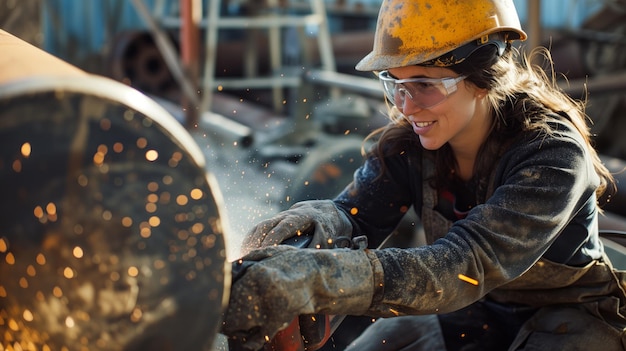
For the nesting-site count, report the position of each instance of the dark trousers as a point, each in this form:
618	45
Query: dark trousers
484	325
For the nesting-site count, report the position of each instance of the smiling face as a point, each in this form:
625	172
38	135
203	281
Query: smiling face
462	119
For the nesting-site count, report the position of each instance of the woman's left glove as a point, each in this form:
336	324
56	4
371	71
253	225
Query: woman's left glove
320	219
281	282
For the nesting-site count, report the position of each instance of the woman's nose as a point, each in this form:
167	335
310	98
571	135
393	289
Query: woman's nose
409	107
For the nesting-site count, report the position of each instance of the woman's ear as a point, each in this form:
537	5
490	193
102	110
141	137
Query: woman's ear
480	93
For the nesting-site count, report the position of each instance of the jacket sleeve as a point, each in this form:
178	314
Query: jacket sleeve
374	202
540	185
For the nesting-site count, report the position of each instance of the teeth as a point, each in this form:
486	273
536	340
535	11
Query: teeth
423	124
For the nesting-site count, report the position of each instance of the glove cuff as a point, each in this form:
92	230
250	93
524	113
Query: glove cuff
346	282
378	276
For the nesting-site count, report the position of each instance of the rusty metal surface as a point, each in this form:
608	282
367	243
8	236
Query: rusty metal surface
111	231
111	235
21	60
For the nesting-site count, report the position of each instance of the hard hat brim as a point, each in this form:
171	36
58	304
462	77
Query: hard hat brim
377	62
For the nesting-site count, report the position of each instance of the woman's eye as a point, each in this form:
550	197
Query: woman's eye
423	85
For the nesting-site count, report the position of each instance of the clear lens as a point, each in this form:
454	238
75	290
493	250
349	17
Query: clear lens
423	92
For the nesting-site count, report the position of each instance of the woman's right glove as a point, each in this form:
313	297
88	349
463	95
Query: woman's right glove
276	284
319	218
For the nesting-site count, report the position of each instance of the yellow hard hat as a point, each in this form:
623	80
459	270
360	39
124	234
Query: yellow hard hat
439	33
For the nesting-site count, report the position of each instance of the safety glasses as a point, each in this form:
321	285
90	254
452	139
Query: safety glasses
423	92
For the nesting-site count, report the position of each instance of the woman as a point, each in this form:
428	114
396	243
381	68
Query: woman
497	163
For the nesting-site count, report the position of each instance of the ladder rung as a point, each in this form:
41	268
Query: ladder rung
261	82
252	22
268	21
362	85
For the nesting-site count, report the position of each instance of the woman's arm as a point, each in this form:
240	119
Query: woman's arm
540	186
376	203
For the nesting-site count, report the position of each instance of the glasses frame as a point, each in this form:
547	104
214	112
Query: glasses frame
448	83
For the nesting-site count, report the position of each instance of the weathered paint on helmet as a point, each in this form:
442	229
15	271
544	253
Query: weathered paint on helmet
412	32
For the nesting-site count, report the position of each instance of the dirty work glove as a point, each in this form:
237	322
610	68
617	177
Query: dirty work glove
321	218
282	282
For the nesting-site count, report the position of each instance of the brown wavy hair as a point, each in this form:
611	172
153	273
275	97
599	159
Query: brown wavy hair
521	93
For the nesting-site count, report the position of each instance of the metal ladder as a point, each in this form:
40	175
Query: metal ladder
273	22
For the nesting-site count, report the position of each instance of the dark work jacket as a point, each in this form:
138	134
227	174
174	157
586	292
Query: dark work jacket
533	241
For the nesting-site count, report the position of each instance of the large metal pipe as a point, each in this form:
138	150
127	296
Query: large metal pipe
111	228
21	60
